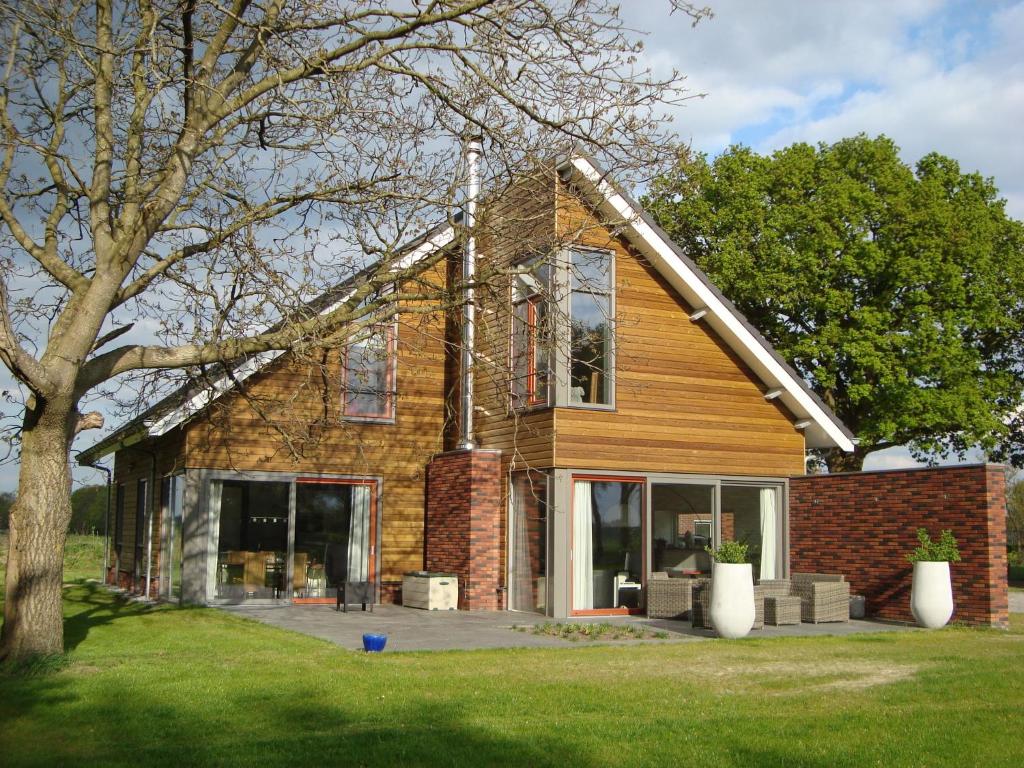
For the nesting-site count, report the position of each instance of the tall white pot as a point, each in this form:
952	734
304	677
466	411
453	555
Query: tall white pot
931	594
732	599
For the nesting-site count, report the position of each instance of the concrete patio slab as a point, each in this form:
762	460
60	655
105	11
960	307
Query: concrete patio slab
410	629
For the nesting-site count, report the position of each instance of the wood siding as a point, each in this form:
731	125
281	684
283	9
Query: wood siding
684	401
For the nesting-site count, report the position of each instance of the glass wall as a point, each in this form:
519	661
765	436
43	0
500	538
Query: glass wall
333	537
253	537
528	533
752	515
607	544
682	525
590	309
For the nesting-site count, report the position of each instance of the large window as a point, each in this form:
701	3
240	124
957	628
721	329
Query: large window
531	336
252	537
752	515
370	375
590	318
119	525
141	515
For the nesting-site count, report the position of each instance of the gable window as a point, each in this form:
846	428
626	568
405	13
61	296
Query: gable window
531	337
369	375
590	320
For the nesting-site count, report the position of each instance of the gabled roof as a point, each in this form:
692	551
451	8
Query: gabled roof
822	429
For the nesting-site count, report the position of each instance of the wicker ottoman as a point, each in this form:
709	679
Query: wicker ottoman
782	610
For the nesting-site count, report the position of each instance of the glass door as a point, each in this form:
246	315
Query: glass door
607	544
682	525
528	556
752	515
335	537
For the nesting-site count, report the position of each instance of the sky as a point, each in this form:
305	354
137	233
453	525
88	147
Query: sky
933	76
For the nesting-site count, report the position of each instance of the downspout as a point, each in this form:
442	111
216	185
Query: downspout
473	150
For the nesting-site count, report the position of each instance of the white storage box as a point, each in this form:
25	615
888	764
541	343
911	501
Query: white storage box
431	591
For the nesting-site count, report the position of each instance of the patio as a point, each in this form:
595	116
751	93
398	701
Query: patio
410	629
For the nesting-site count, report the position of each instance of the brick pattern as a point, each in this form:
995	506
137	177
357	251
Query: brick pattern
464	525
863	524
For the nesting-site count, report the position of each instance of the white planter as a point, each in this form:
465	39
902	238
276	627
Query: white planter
732	599
931	594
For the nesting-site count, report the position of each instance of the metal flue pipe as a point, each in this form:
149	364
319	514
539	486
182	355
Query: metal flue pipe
473	148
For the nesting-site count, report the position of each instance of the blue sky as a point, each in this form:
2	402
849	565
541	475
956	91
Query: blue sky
943	76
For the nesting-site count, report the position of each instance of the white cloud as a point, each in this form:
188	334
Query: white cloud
934	76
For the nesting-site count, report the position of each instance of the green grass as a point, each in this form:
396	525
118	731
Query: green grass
177	687
83	557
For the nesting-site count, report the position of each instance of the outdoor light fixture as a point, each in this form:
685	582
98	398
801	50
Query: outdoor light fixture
771	394
699	314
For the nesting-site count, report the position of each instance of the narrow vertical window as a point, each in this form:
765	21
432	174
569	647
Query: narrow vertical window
119	523
531	337
590	318
370	375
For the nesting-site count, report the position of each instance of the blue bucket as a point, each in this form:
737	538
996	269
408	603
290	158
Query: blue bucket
374	643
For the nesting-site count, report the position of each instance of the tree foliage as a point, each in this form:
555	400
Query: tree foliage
88	509
897	292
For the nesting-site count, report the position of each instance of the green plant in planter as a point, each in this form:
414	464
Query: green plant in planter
729	552
943	550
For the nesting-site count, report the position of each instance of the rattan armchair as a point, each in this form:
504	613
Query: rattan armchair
669	598
823	596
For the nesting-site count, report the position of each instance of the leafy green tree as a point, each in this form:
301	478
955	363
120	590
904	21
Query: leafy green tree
6	499
897	292
88	506
1015	517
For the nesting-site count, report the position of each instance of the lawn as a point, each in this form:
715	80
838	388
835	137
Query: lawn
168	686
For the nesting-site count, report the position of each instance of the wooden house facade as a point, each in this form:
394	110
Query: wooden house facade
625	416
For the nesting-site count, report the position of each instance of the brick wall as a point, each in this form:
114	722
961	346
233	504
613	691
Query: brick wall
863	524
463	524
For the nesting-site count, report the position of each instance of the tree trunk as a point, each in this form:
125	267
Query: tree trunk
841	461
33	609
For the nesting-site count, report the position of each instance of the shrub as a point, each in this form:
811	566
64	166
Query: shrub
943	550
729	552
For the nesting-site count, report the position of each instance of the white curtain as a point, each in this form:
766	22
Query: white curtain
359	534
769	532
582	547
522	570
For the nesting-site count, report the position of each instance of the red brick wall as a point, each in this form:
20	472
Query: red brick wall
463	524
863	524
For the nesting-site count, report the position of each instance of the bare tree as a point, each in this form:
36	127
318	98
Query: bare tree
183	176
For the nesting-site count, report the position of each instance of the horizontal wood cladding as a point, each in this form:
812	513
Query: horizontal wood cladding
684	401
305	433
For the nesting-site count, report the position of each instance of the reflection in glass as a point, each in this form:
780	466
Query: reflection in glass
607	541
332	537
253	538
529	531
590	327
682	525
750	515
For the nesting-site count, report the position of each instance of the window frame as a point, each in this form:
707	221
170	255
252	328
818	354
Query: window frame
535	394
391	376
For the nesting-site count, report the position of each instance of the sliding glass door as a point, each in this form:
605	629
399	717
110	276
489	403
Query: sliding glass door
528	542
334	539
294	539
682	525
607	537
752	515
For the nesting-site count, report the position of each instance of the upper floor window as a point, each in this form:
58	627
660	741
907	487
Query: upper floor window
531	336
369	375
590	320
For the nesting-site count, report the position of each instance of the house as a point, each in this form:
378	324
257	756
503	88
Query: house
624	415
